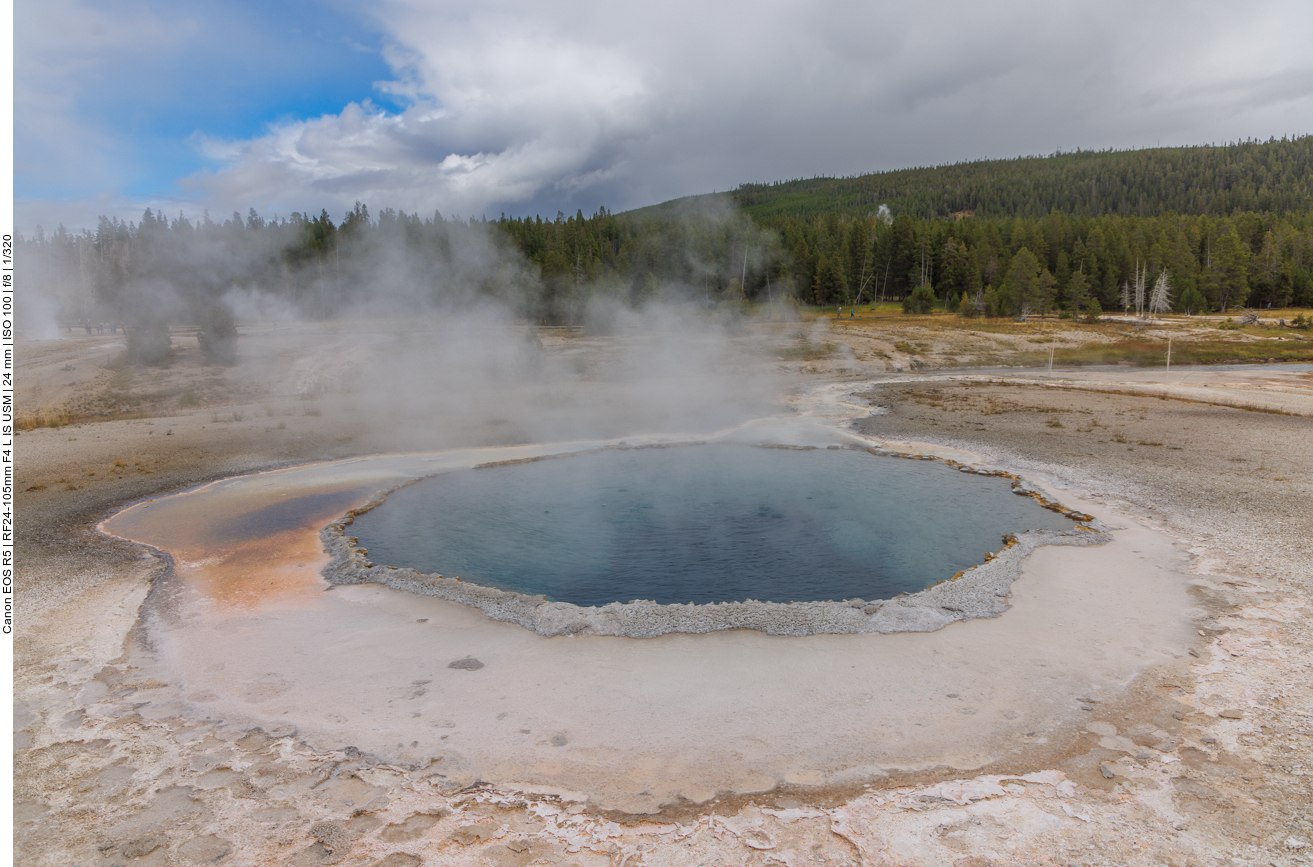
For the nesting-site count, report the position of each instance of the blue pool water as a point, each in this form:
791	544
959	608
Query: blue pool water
706	523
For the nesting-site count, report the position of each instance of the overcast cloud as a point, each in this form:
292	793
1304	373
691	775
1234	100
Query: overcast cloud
531	107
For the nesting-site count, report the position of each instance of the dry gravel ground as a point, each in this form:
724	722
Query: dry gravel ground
1210	764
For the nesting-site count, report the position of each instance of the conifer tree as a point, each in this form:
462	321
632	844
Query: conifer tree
1078	292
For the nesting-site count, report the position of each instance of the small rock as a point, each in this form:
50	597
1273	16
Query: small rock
758	838
143	846
1107	772
1178	716
469	663
1295	845
413	828
332	836
1232	713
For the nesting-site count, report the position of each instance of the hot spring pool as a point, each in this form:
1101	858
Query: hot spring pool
701	524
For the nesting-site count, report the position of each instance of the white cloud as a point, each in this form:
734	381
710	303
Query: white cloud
530	106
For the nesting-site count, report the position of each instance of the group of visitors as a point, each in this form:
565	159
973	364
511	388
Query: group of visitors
99	327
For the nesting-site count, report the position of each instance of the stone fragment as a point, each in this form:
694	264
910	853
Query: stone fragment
143	846
412	828
333	838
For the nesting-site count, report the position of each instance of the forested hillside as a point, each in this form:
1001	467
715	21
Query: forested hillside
1225	180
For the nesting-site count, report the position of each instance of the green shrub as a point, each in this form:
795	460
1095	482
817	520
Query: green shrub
148	343
218	335
1093	311
922	300
1192	301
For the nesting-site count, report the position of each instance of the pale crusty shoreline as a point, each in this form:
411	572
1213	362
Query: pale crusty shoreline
608	698
100	780
980	591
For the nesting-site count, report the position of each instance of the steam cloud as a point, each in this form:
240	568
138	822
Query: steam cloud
427	328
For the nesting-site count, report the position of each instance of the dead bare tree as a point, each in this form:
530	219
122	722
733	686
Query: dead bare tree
1161	299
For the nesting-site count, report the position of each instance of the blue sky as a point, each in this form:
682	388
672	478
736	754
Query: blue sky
223	70
523	107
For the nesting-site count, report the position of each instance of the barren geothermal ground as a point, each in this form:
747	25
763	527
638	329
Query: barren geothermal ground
211	700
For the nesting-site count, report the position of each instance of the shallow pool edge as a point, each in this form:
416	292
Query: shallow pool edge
980	591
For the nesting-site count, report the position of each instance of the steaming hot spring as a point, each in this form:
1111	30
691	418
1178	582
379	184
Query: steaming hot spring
700	524
651	622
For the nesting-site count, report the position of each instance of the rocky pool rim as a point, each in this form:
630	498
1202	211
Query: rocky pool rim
979	591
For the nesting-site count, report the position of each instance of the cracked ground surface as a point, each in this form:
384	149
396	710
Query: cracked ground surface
1205	762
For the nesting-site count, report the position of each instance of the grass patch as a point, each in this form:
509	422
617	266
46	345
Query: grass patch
61	419
806	351
1147	353
40	420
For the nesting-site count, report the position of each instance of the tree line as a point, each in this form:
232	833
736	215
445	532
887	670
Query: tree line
173	269
547	270
1008	266
161	269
